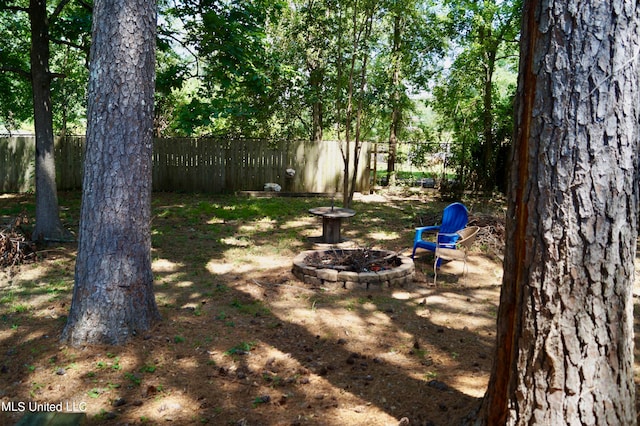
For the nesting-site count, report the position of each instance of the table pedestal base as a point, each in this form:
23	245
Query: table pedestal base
331	222
331	230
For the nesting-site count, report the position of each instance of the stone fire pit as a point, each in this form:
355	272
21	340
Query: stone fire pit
380	269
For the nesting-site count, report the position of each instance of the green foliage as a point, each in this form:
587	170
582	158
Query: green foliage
69	46
254	308
473	95
411	34
70	40
95	393
15	90
135	380
261	68
148	368
237	91
241	348
8	298
173	74
264	399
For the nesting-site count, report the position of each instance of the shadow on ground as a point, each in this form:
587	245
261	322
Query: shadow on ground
242	341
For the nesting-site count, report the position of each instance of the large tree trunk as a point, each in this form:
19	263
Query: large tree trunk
48	226
113	294
565	324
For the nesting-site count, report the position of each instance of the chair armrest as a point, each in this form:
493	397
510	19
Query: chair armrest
423	229
448	239
450	253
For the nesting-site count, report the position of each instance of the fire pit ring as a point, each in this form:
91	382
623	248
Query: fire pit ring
398	276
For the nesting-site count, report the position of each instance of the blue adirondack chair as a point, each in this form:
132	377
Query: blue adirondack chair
454	218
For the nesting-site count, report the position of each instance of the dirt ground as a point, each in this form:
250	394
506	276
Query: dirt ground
242	342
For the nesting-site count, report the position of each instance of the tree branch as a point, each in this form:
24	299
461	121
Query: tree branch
15	8
184	45
68	43
58	10
499	58
18	71
85	5
305	124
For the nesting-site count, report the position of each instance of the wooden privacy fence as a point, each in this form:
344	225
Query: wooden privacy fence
199	165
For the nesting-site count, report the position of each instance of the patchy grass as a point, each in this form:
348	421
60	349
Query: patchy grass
242	341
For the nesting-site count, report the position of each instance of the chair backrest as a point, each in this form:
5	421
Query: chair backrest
454	218
467	236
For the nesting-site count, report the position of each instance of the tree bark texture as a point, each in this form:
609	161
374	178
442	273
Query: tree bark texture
48	226
113	294
565	323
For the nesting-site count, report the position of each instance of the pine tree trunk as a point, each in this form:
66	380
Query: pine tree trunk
565	324
113	294
48	226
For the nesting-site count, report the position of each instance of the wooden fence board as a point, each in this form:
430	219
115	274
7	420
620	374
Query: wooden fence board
69	154
17	164
198	165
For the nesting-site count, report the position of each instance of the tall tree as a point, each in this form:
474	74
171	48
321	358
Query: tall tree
315	25
352	63
308	39
47	225
485	34
416	42
113	293
397	92
565	323
240	77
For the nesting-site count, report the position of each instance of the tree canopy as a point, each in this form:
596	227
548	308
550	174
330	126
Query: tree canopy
69	24
288	69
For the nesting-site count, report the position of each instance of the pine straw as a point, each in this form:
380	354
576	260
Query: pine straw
15	248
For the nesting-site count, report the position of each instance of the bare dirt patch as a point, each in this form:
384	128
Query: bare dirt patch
242	342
